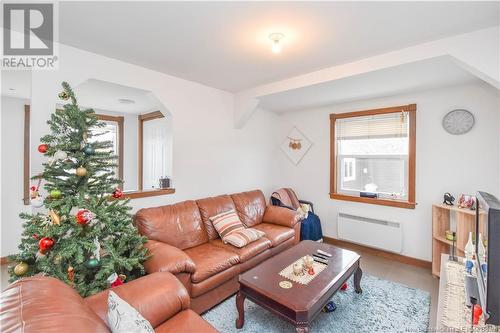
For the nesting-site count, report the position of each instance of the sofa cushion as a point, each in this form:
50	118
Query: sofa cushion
247	252
250	207
211	207
242	238
275	233
179	225
186	321
226	223
210	260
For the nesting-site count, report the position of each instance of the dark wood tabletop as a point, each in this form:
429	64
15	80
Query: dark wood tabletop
301	303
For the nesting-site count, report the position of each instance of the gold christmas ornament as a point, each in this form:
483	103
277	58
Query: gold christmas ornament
123	277
56	219
57	259
81	172
64	96
21	268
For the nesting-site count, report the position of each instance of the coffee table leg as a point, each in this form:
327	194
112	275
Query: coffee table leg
302	329
357	280
240	300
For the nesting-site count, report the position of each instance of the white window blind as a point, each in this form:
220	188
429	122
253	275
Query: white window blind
156	152
372	155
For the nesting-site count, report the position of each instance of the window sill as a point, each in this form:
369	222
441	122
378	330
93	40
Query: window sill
374	201
148	193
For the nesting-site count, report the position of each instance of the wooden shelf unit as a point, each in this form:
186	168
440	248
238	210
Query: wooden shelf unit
441	219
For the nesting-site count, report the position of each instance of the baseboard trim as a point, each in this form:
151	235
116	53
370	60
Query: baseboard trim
381	253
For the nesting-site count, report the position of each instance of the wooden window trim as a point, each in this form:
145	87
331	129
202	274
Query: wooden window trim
410	203
140	153
119	120
26	162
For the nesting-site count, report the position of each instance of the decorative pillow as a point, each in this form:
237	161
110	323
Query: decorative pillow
124	318
243	237
226	223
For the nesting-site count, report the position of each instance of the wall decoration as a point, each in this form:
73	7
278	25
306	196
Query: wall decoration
296	145
459	121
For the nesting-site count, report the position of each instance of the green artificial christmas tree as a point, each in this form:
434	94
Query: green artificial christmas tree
86	238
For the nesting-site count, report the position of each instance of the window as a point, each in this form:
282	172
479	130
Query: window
374	151
112	131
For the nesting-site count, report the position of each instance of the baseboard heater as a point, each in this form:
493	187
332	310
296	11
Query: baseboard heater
371	232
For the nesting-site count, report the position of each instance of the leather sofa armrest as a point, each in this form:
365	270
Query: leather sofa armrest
167	258
157	297
281	216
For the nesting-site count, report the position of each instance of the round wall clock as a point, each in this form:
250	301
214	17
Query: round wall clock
458	121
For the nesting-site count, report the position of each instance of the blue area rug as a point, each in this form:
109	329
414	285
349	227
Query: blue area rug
384	306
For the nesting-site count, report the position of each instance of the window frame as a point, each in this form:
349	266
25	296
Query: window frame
119	120
410	202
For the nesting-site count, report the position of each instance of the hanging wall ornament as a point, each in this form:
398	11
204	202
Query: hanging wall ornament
295	145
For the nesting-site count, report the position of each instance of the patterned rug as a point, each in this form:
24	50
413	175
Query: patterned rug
384	306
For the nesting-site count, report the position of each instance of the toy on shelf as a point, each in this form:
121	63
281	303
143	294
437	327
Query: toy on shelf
448	199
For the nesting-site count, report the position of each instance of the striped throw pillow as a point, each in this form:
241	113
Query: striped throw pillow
226	223
243	237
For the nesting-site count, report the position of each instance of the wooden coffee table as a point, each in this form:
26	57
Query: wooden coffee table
302	303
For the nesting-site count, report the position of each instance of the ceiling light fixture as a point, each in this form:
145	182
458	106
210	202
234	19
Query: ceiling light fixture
276	38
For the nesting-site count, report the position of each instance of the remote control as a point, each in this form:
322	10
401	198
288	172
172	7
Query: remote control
321	260
324	253
320	256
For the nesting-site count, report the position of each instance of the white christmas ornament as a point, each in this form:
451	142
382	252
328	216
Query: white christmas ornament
37	202
60	155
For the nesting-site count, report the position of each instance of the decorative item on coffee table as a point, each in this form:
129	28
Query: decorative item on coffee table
298	271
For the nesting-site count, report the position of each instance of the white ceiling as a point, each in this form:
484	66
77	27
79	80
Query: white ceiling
422	75
225	44
102	95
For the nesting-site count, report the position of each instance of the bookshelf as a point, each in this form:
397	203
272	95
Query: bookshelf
442	216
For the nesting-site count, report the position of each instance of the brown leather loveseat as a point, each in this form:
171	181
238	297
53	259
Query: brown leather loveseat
183	241
45	304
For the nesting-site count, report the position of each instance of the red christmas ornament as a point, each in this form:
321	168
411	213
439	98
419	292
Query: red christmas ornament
43	148
45	244
344	287
114	280
310	271
478	311
117	193
84	216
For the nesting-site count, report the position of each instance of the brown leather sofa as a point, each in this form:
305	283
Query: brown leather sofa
182	241
45	304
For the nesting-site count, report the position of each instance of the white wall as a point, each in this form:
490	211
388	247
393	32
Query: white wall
210	157
12	132
445	163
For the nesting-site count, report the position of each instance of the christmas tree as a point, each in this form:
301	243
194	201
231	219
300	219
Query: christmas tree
86	237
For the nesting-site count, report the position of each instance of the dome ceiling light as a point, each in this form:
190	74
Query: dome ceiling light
276	40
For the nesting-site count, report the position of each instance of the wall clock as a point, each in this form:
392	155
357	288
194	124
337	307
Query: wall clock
458	121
